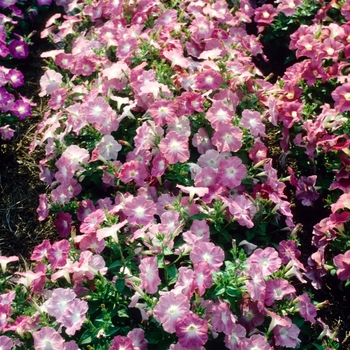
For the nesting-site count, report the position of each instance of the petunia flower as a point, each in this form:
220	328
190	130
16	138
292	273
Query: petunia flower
170	308
208	252
18	49
287	336
342	262
149	274
227	138
192	331
231	172
4	260
174	148
48	338
140	211
163	112
208	80
49	82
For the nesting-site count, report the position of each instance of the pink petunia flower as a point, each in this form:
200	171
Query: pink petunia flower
57	254
208	252
306	309
122	343
227	138
48	338
342	262
277	289
140	211
75	316
231	172
59	303
233	339
40	251
219	115
174	147
266	259
163	112
222	318
192	331
134	171
4	260
49	82
256	341
287	336
137	335
170	308
6	343
341	96
208	80
92	221
251	120
202	277
149	274
63	224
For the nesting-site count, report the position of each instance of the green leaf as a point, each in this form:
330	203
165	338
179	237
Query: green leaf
120	285
172	274
116	264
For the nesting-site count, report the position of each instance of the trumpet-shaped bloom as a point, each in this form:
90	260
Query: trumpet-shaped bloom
171	307
231	172
140	211
48	339
227	138
192	331
208	252
174	148
49	82
149	274
342	262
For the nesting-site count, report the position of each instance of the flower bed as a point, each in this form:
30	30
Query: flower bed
178	224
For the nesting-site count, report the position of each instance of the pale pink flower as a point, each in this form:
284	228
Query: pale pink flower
243	210
122	343
251	120
59	303
277	289
211	158
140	211
75	315
49	82
133	171
181	126
266	259
159	165
227	138
341	96
287	336
342	262
208	80
149	274
176	57
233	339
163	112
92	221
57	254
192	331
202	277
171	307
231	172
219	115
48	339
288	7
201	140
207	177
5	343
174	147
208	252
137	335
306	309
255	342
222	318
108	148
4	260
